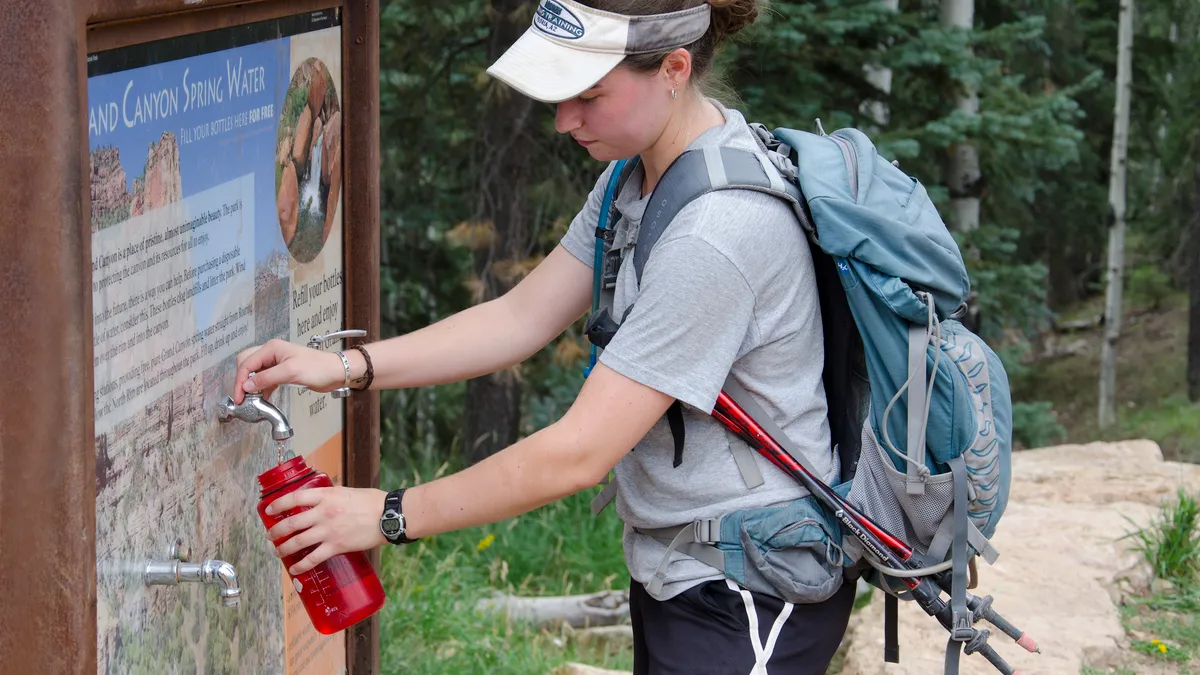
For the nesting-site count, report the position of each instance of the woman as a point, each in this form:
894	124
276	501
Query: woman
729	289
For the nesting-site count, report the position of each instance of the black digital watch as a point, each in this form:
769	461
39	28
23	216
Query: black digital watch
392	523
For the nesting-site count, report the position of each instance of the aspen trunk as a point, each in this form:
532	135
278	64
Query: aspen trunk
880	77
963	174
1193	273
1116	233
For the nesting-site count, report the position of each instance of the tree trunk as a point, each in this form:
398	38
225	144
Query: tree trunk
1116	233
493	402
880	77
1193	353
1157	168
963	177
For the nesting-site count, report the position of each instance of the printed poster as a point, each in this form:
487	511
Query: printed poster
216	217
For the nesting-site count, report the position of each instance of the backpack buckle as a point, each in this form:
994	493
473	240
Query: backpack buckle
609	269
707	530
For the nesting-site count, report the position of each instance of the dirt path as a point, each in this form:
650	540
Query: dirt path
1061	564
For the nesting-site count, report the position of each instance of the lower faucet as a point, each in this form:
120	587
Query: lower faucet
175	572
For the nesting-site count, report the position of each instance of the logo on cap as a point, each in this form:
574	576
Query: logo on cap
554	19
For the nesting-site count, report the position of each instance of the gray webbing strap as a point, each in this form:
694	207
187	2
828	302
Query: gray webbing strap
961	615
918	340
772	174
606	495
752	408
694	539
717	178
743	456
939	547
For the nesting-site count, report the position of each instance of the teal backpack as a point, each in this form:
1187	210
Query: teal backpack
919	406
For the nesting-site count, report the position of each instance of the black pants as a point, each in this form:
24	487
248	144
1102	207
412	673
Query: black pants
706	630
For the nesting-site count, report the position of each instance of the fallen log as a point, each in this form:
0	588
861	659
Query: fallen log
1078	324
605	608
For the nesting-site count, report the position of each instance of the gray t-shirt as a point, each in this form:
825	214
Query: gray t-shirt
729	286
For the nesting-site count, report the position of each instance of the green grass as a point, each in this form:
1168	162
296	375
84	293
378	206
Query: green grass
1175	636
1171	543
1164	625
430	626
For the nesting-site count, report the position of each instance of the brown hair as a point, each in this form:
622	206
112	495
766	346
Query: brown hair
728	17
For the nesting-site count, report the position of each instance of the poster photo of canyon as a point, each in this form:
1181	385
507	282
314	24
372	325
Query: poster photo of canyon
308	170
191	264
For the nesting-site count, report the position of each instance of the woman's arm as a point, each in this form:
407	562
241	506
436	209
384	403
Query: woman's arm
476	341
611	414
487	337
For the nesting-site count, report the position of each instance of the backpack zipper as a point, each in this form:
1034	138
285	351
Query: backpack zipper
851	162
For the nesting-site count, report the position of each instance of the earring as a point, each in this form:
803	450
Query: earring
672	93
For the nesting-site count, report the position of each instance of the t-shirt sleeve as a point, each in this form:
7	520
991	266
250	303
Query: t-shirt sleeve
580	239
688	323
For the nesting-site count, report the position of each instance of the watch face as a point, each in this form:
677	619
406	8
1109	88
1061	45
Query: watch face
390	526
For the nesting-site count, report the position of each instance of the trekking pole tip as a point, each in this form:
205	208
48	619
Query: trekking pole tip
1029	644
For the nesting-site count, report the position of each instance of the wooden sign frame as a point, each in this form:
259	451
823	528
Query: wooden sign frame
47	455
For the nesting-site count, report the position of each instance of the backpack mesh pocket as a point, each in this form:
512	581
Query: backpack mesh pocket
879	491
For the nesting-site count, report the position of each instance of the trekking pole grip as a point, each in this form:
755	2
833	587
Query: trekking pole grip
996	660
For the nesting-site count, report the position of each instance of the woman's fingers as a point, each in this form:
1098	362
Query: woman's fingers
319	555
308	497
309	537
266	380
293	524
256	361
340	520
280	362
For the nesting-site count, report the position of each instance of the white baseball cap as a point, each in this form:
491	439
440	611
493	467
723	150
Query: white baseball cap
571	46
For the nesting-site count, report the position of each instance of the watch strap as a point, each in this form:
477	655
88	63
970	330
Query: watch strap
394	502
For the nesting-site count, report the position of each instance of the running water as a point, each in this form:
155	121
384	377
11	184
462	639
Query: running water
310	192
281	451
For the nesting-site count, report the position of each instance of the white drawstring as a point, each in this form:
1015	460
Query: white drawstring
761	655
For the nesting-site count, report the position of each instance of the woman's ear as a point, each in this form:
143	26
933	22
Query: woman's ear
677	68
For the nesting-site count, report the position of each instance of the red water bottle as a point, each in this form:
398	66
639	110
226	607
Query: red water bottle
339	592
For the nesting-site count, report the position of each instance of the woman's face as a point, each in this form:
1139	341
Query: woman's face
621	116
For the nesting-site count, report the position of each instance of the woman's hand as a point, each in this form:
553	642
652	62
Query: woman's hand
338	520
281	362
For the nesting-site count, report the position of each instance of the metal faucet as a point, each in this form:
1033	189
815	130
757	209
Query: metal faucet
175	572
255	408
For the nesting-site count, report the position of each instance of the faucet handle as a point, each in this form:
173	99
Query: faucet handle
318	341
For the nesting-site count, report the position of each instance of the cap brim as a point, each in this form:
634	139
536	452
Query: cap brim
548	71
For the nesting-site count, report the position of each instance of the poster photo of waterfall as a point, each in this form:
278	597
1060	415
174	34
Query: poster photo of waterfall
308	167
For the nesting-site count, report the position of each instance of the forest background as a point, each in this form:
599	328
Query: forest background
1003	109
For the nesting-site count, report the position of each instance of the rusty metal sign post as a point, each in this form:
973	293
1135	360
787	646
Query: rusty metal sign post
182	179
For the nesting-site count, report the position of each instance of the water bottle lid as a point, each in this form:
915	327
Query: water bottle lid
277	476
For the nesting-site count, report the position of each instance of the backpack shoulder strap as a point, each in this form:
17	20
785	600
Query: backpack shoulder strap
622	170
691	175
699	172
